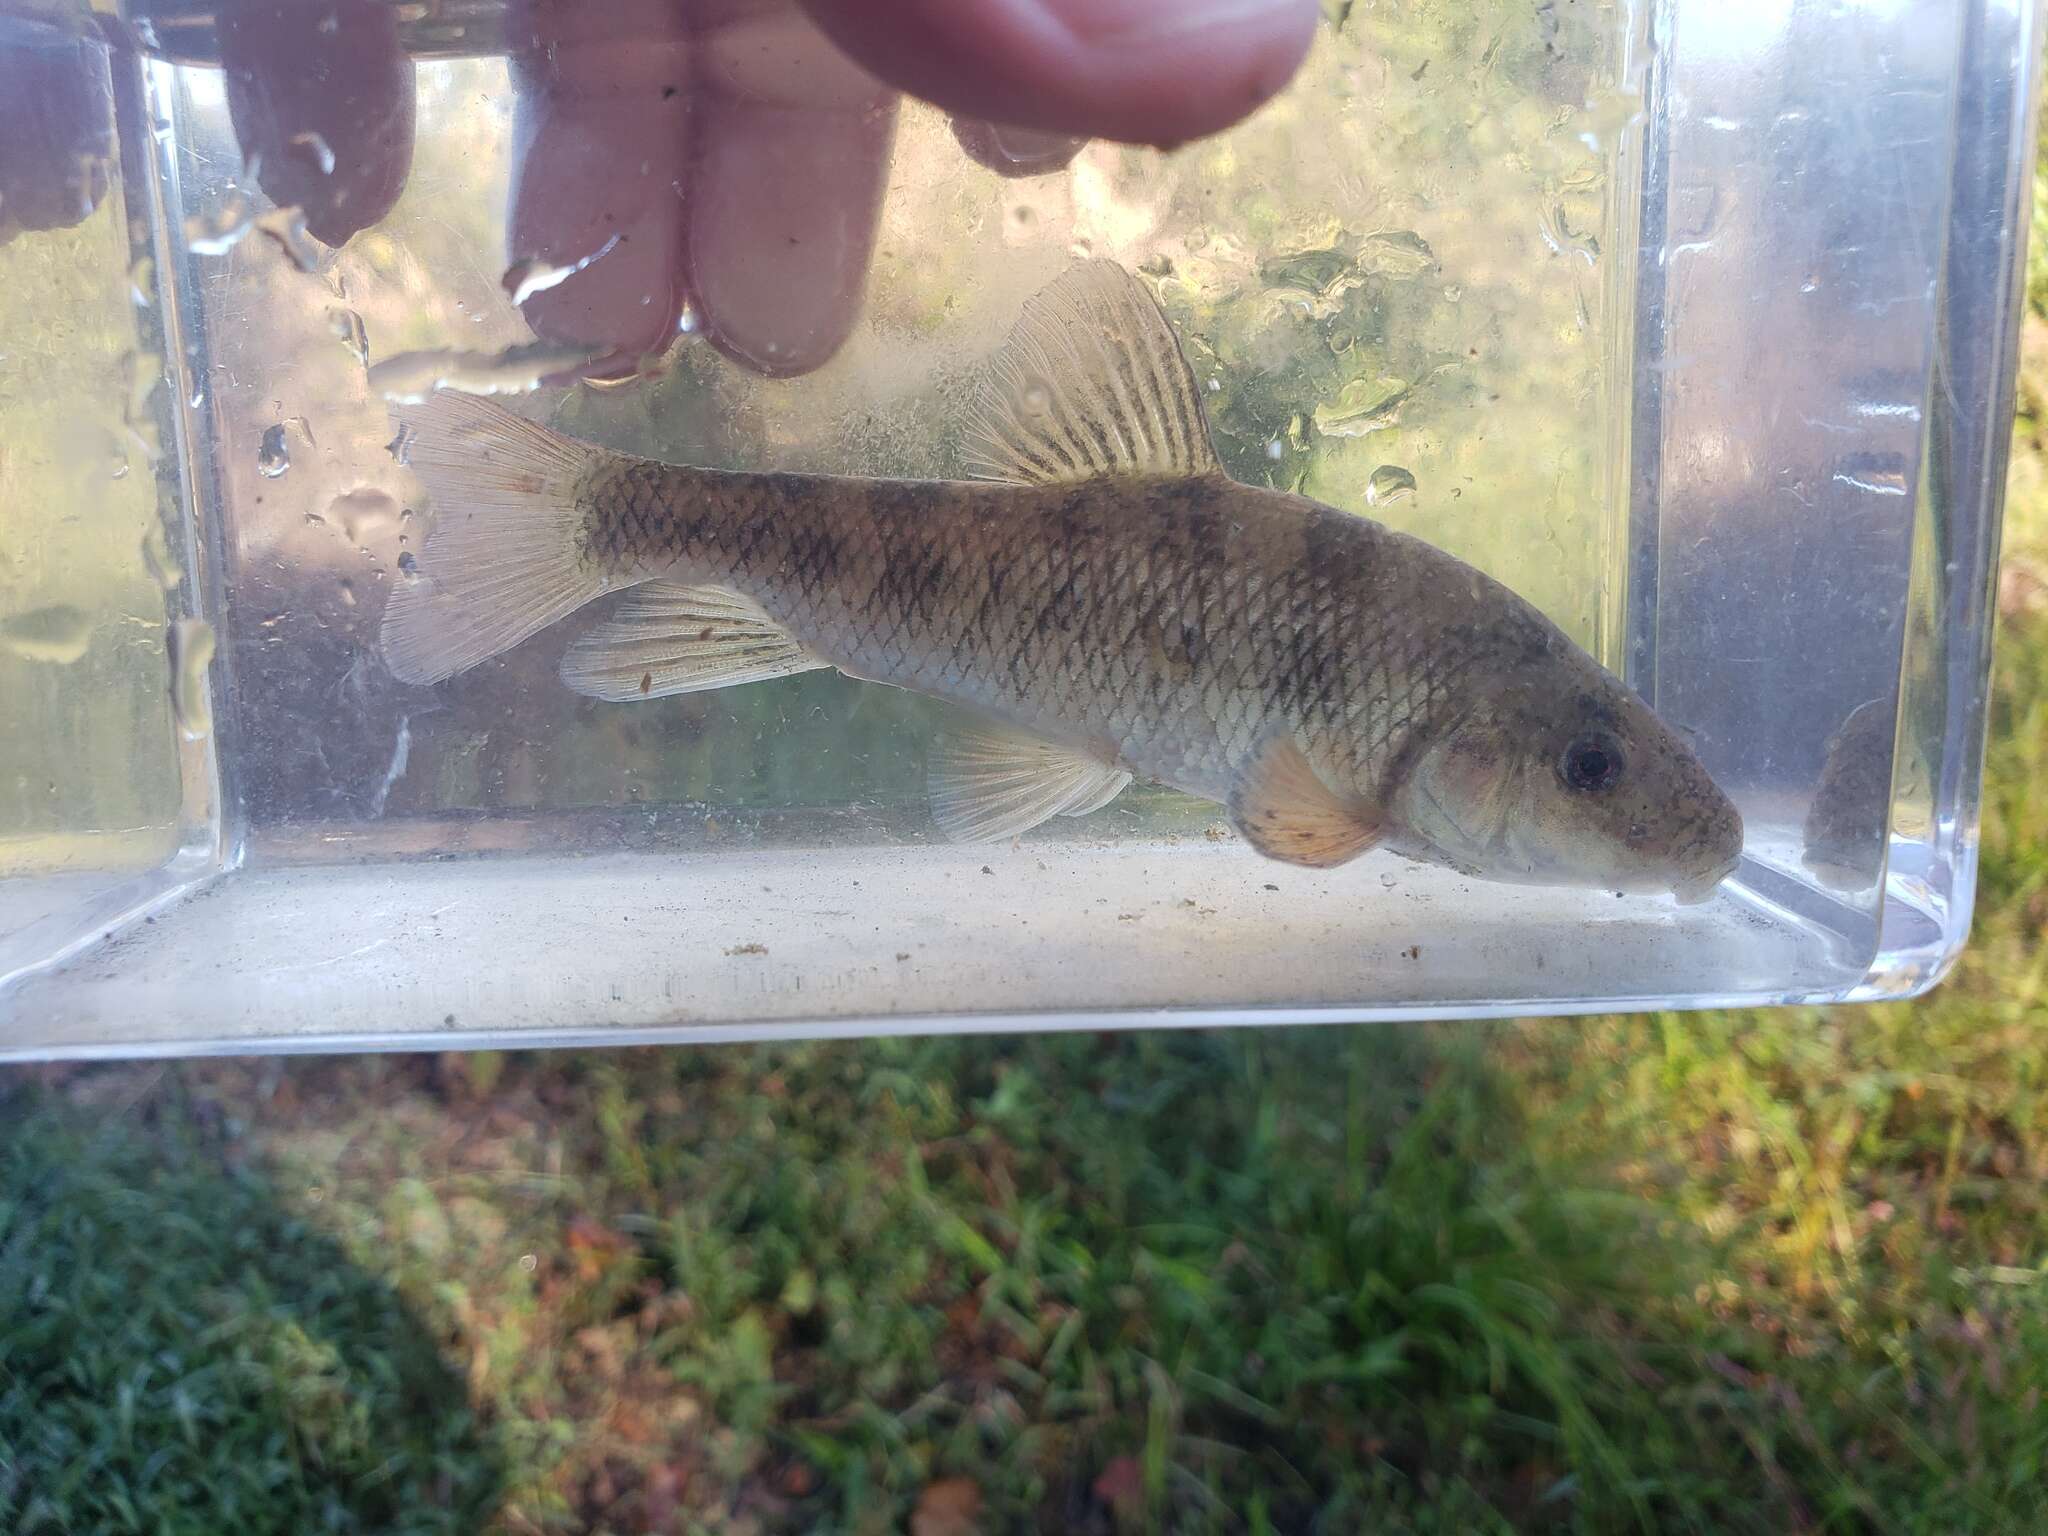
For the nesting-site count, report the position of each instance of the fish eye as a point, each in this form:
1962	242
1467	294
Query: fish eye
1591	764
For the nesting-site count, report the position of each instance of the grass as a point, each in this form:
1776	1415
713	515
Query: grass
180	1353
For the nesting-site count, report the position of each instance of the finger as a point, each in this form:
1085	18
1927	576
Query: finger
786	187
1140	71
324	96
56	127
602	137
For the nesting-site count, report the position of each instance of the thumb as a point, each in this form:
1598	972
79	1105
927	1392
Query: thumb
1140	71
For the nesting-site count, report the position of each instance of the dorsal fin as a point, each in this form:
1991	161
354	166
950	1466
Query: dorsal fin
1090	383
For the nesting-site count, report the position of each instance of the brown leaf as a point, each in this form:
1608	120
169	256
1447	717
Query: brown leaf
948	1508
1121	1485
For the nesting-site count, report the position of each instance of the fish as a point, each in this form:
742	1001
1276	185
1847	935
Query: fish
1847	824
1100	602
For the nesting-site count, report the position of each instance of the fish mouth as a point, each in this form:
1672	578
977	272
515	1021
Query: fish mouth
1698	888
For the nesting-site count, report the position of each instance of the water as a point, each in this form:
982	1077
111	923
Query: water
1586	313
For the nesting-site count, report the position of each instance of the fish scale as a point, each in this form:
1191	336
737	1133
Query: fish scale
892	581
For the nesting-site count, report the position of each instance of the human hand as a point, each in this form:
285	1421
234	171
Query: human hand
731	155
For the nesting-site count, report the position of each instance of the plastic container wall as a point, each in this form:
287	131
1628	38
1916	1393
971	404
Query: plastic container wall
1694	325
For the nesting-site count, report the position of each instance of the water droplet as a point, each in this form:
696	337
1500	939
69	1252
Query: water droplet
1554	225
1363	406
689	322
120	469
191	647
1608	115
524	278
223	231
329	24
1274	448
363	514
410	377
274	456
1396	253
348	325
58	634
144	371
348	593
158	560
1037	399
1453	292
1388	484
287	227
317	149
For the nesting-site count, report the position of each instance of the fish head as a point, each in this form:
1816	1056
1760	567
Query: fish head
1557	774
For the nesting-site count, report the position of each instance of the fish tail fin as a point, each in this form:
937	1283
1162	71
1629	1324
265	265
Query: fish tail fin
505	556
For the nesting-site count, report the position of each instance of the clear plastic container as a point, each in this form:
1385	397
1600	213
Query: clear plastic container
1693	323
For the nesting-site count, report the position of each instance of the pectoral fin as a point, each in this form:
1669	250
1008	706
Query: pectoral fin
990	782
1282	808
670	637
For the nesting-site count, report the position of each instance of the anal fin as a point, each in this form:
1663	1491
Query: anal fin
670	637
989	782
1283	808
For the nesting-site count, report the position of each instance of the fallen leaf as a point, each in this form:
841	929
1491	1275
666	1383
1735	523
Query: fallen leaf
948	1508
1121	1485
